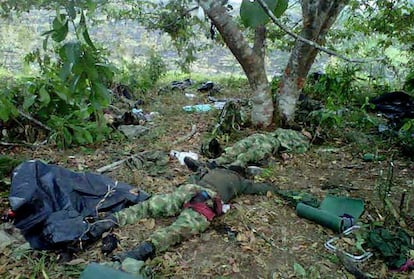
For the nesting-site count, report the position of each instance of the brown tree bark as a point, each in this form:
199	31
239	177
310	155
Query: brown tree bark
318	18
250	58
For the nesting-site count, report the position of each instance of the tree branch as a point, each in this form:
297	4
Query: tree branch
235	40
119	162
35	121
309	42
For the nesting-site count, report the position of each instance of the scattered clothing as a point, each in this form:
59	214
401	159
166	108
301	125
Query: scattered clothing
181	85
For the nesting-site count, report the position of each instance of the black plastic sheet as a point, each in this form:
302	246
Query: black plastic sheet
394	105
51	202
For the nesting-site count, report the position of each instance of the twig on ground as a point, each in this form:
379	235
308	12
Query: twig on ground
22	143
186	137
116	164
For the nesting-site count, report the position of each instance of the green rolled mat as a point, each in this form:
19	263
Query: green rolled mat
321	217
330	211
94	271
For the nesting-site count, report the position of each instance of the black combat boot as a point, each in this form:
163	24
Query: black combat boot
240	170
192	164
142	252
100	226
195	165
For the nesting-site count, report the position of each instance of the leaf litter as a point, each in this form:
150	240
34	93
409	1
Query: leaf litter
263	237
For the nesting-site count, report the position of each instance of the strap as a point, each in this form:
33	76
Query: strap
202	208
199	204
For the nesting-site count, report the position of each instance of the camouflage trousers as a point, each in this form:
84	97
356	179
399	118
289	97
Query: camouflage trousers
254	148
187	224
257	147
291	140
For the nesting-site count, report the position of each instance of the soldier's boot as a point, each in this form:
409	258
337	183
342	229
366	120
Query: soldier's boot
99	227
142	252
192	164
237	168
195	165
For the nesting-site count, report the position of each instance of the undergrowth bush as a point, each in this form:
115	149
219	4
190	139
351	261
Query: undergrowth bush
406	137
409	81
143	77
337	82
346	94
71	90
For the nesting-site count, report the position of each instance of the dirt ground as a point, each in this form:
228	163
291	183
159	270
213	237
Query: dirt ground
261	236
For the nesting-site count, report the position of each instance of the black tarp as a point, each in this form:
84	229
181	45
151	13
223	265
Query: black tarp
51	202
396	106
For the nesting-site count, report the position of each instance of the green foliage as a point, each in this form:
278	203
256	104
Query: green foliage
312	272
8	6
253	15
409	81
330	117
174	18
8	109
7	164
381	29
339	83
71	91
345	94
141	78
392	18
406	137
337	89
40	265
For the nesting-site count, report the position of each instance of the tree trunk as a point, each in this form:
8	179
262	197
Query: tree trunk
318	17
250	58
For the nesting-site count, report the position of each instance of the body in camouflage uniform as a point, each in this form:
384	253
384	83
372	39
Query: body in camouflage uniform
188	223
222	183
258	146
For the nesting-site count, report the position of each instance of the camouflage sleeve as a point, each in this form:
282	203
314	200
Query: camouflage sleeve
160	205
